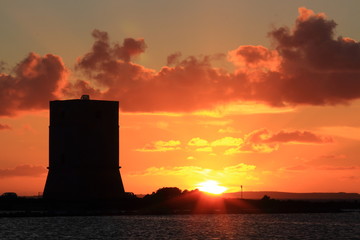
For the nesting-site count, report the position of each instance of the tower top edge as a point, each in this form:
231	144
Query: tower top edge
80	100
84	98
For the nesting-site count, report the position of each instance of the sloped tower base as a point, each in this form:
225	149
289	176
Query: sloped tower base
84	151
89	184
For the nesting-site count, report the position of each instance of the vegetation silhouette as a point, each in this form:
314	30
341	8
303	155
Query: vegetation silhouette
166	200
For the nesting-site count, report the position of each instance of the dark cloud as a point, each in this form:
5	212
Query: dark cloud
286	136
173	59
34	82
338	168
23	171
264	141
2	66
298	136
313	67
307	65
190	85
103	55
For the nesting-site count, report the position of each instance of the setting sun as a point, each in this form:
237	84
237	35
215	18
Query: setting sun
211	186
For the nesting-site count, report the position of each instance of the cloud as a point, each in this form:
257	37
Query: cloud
215	122
204	149
4	127
338	168
102	53
257	141
254	142
316	68
322	168
255	58
241	167
204	145
161	146
227	142
198	142
334	156
178	171
23	171
264	141
298	137
228	130
286	136
342	131
34	82
308	65
173	59
193	171
351	178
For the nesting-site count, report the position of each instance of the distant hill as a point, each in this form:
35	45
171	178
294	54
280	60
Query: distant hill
295	196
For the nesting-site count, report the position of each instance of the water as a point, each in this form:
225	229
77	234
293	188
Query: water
221	226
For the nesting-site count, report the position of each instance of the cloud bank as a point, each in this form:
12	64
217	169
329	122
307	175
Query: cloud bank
308	65
23	171
257	141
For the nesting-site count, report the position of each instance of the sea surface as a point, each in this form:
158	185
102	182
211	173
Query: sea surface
216	226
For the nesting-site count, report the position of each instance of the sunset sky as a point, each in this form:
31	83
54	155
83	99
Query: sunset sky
264	94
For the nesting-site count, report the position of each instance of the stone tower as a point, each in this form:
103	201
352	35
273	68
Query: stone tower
84	150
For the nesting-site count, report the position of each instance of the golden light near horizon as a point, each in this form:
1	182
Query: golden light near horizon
211	186
237	110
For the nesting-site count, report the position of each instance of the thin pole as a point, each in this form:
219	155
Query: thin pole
241	191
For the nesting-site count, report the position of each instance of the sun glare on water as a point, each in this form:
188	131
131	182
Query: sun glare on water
211	186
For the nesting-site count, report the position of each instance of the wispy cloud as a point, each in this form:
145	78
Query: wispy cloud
342	131
236	170
23	171
262	140
257	141
204	149
296	136
198	142
161	146
227	142
4	127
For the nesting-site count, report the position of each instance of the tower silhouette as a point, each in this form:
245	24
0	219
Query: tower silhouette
83	150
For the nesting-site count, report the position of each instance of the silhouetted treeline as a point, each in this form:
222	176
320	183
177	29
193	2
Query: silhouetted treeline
168	200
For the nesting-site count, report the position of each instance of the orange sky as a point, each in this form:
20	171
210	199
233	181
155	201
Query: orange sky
280	116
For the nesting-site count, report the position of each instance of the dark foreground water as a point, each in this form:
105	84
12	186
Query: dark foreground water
222	226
